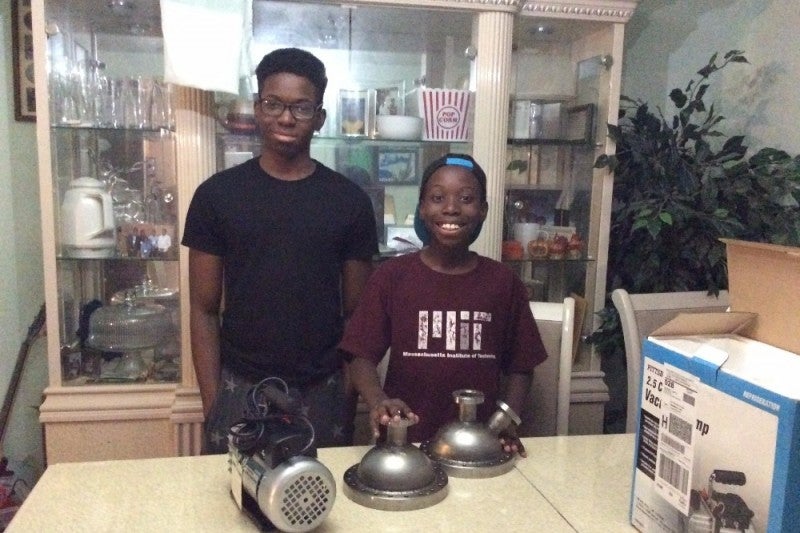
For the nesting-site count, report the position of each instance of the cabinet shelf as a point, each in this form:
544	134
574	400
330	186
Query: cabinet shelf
533	187
547	142
403	142
91	127
171	259
101	382
349	140
545	261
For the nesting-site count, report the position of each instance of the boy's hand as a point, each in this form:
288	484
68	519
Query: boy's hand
386	410
511	443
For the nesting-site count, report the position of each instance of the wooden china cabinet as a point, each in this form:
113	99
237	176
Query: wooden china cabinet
120	153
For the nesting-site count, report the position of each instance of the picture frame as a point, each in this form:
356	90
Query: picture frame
579	123
353	112
402	237
22	68
130	246
389	100
398	166
358	162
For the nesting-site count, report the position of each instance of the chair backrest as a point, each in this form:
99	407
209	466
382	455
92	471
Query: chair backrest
548	401
640	315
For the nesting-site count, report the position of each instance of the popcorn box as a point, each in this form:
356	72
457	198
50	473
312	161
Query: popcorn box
447	113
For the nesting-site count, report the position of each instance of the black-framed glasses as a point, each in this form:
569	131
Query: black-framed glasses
300	110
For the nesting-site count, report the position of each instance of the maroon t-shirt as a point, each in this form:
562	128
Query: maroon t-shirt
446	332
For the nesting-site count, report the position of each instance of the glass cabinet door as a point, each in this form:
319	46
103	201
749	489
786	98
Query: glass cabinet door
383	126
114	192
556	209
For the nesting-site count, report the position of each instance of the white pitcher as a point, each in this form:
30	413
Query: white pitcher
87	220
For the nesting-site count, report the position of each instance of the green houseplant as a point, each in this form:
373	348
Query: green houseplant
680	185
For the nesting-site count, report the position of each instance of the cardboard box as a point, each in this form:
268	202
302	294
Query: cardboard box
718	439
765	279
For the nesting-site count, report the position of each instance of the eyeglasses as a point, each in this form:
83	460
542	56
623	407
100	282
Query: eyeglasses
300	111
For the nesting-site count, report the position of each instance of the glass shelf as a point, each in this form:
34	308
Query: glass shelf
92	127
547	261
256	138
170	258
548	142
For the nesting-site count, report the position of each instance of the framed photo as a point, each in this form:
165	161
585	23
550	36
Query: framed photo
579	124
22	48
354	112
402	238
389	100
357	162
398	166
147	240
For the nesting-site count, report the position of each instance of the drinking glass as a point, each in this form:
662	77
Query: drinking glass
130	105
144	99
159	105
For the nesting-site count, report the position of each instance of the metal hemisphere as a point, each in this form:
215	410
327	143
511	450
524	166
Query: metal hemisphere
396	468
466	448
455	465
465	442
395	476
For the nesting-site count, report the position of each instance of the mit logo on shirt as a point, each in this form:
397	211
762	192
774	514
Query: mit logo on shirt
460	329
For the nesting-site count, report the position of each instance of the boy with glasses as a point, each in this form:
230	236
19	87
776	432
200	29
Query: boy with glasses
289	242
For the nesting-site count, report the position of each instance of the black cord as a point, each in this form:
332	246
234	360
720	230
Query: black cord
268	403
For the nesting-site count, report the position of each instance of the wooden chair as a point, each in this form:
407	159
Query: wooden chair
550	391
640	315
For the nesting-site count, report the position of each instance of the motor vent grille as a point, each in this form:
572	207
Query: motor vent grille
306	501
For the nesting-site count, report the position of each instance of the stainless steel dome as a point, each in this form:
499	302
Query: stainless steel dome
395	475
468	448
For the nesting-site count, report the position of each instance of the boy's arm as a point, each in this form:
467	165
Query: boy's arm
516	394
205	295
517	387
365	379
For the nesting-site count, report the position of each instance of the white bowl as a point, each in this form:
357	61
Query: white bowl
399	127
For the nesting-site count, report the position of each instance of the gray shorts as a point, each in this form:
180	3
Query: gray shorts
324	403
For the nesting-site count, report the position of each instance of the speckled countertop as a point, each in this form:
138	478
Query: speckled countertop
567	484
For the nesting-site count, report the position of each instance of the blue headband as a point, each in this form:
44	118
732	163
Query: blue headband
459	162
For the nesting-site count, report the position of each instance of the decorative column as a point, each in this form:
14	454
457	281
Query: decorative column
195	126
493	73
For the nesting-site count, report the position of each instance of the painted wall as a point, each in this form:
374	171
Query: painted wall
21	289
667	41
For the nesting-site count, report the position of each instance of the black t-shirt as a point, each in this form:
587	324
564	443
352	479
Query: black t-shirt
283	244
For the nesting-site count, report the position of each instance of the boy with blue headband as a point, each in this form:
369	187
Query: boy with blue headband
451	318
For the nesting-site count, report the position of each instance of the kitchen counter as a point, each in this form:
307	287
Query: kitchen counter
567	484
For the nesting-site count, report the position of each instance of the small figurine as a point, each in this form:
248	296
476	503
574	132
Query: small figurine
512	251
557	247
538	249
575	247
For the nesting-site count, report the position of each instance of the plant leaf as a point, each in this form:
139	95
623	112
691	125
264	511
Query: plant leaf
678	98
519	165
